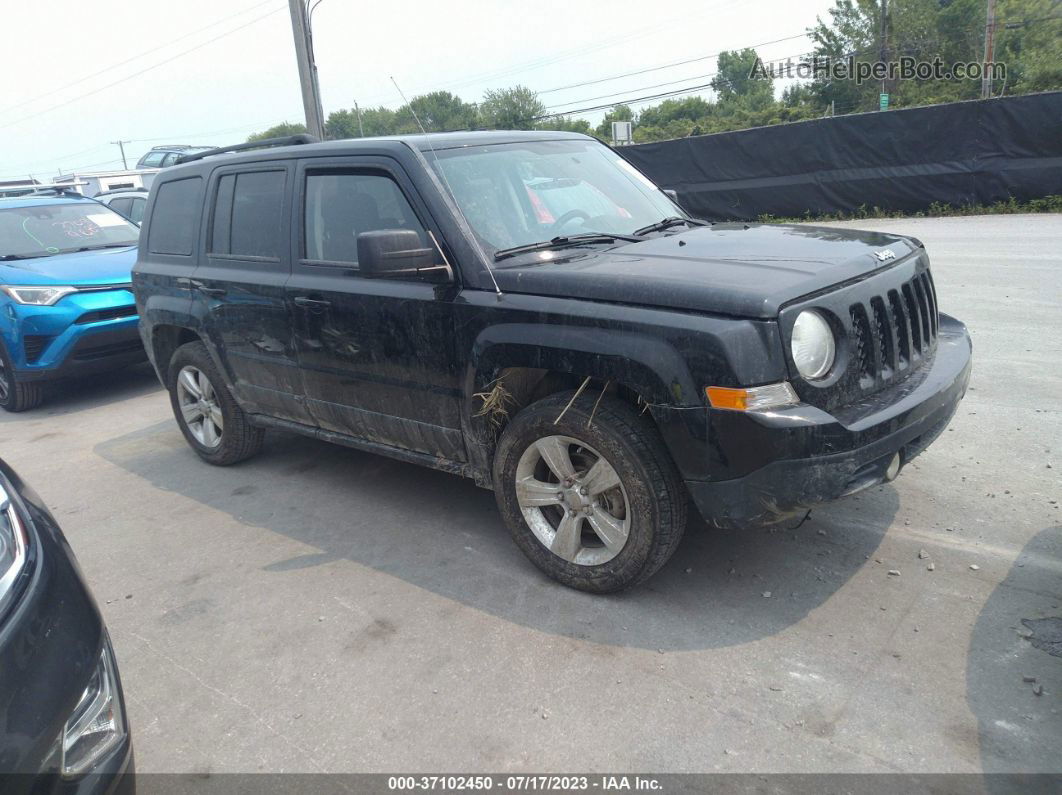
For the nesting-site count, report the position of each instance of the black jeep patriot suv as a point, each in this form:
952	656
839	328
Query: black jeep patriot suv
529	310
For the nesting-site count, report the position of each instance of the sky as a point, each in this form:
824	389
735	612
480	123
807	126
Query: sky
80	75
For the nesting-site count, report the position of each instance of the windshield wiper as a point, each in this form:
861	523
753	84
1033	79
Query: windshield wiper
103	245
667	223
10	257
566	240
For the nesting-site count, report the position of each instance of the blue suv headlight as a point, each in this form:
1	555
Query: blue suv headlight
37	296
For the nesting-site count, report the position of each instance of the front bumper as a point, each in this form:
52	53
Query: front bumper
84	333
50	642
794	459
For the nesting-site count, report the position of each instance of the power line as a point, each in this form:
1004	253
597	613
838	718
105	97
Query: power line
77	168
665	66
153	50
563	55
55	159
188	136
647	88
142	71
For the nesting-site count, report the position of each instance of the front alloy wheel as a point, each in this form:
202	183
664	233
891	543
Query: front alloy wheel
573	501
588	491
199	406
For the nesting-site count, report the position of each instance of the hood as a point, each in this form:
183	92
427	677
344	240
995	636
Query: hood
746	270
103	266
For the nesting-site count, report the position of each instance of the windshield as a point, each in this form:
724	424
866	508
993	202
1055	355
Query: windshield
523	193
46	229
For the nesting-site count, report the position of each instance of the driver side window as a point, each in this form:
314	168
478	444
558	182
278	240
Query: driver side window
340	206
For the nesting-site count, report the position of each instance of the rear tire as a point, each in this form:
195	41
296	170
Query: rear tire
208	416
627	522
16	395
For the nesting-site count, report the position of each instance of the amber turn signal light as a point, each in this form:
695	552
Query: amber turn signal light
757	398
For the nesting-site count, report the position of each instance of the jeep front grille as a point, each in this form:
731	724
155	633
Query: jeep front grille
895	332
886	328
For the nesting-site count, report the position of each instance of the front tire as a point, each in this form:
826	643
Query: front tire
594	500
16	395
209	417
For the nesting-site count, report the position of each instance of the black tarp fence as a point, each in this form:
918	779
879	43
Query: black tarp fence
959	153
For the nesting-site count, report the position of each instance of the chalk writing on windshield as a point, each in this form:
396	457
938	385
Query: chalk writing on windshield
78	228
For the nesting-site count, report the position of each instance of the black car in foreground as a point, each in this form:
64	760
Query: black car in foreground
63	727
529	310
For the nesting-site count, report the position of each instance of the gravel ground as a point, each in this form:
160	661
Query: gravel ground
321	609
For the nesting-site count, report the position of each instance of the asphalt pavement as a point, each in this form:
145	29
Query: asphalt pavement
322	609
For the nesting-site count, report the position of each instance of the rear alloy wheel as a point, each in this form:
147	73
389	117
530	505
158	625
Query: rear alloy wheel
17	395
589	491
199	406
209	417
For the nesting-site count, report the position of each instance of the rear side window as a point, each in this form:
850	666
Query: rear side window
173	220
152	159
136	209
123	206
247	215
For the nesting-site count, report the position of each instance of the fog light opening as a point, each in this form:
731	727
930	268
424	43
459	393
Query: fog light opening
893	469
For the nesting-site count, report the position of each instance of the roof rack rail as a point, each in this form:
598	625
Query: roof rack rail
267	143
122	190
59	190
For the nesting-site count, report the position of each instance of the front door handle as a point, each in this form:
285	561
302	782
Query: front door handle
310	303
215	292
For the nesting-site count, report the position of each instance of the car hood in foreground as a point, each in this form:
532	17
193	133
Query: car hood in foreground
746	270
102	266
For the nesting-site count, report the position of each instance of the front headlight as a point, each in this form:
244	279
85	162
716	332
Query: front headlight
812	345
96	725
37	296
13	545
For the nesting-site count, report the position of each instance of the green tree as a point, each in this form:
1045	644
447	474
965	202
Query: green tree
439	111
618	113
374	121
516	108
1028	41
670	110
734	78
285	128
566	124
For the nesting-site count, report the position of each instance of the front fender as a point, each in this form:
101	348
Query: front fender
643	362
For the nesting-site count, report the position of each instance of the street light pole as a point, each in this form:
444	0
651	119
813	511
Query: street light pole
311	94
361	130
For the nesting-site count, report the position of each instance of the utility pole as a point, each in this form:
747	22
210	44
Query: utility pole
990	35
361	130
883	49
121	146
311	93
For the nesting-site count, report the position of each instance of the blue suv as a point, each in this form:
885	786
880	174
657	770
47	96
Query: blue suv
65	304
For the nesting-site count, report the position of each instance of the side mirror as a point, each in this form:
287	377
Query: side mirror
672	194
398	254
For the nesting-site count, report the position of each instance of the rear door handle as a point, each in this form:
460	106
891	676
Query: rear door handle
310	303
216	292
